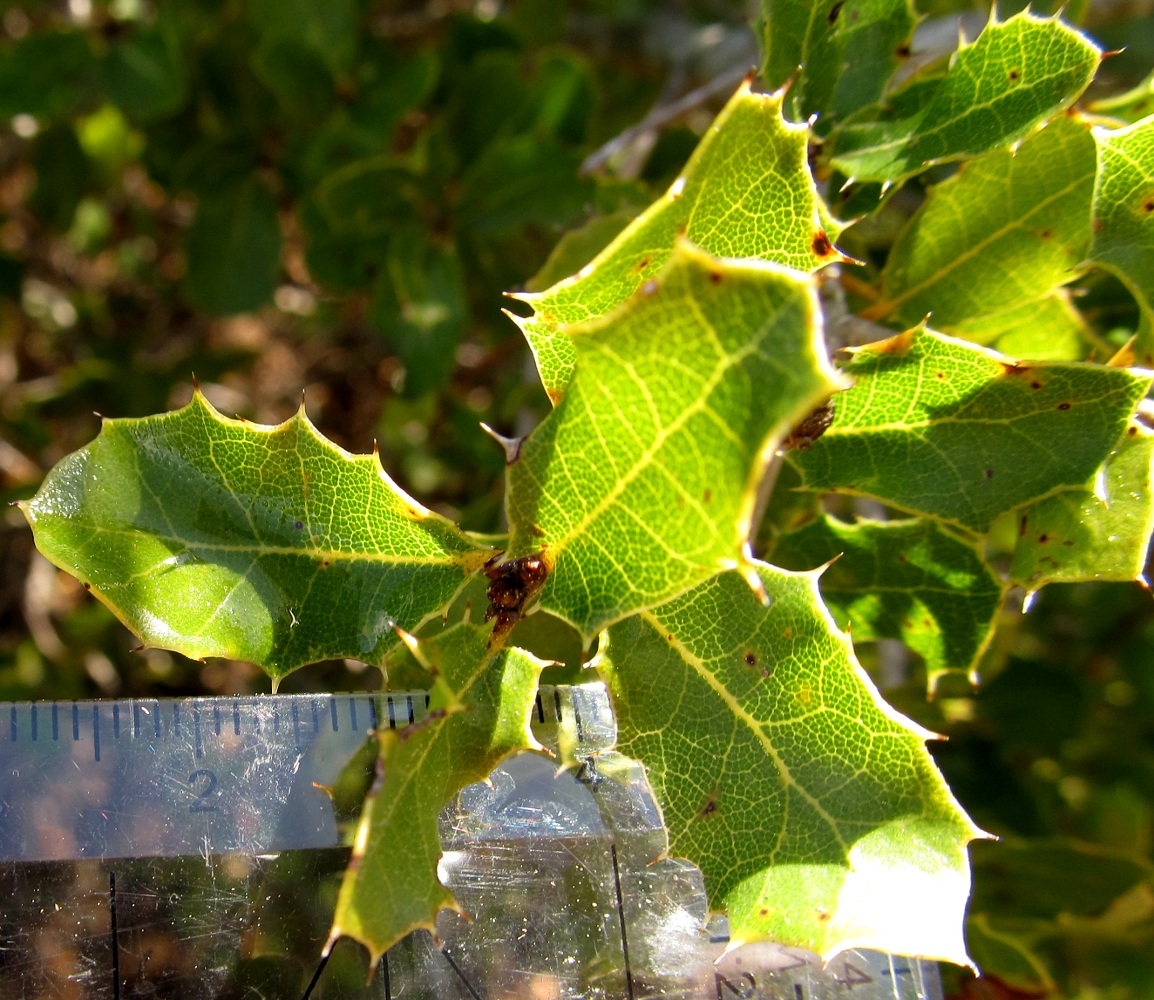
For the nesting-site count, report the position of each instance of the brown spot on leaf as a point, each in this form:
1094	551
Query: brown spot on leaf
715	277
1045	234
1035	384
823	915
1013	368
810	429
989	473
750	658
1063	406
834	11
642	264
902	557
1148	205
903	51
1068	543
87	586
1043	538
940	375
821	244
707	496
1022	526
1132	431
787	632
710	806
763	912
1015	74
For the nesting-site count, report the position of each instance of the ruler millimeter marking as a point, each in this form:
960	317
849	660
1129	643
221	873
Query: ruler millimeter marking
168	778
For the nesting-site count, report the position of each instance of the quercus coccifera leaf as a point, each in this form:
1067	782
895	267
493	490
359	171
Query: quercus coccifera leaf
478	715
1003	233
836	57
1046	329
1016	74
1124	216
218	537
910	580
642	482
1099	532
746	192
937	426
812	808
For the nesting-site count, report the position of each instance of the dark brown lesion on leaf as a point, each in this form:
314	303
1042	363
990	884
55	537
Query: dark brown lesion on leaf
810	429
711	808
512	587
821	244
834	11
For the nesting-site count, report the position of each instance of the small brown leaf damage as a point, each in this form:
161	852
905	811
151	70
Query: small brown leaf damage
810	429
513	585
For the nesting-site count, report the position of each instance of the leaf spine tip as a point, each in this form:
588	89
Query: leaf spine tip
512	446
409	640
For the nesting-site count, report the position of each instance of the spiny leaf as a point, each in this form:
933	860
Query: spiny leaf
1017	73
1124	215
937	426
908	580
642	482
1047	329
479	714
746	192
1099	532
1006	230
836	56
811	807
217	537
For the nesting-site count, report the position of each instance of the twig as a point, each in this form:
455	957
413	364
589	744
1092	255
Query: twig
661	116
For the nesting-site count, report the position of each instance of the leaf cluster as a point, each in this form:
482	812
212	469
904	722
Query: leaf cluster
874	363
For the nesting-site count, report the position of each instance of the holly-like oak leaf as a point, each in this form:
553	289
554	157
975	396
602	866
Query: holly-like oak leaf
643	481
812	808
746	192
479	713
1099	532
219	537
1015	75
937	426
910	580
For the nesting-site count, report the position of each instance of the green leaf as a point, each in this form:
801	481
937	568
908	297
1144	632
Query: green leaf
217	537
1100	532
811	807
1048	329
908	580
1124	215
479	713
642	482
746	192
937	426
1018	73
234	250
146	75
419	305
329	28
50	75
839	55
1007	230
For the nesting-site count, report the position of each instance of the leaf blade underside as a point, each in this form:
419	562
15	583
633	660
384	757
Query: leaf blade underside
819	842
218	537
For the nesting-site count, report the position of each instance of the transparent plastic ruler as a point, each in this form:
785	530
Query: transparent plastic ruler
190	848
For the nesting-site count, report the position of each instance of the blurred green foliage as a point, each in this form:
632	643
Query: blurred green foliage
282	195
